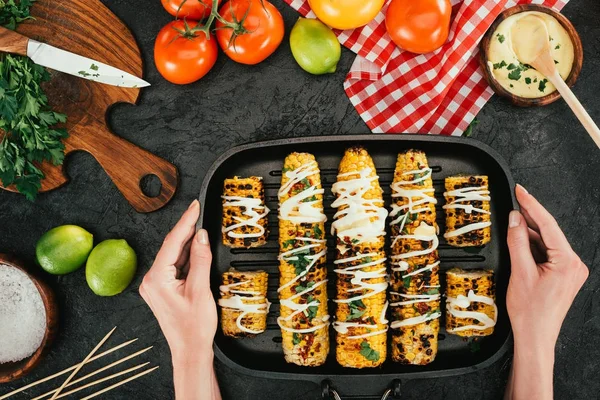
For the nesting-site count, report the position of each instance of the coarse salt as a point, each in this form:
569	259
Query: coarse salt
22	315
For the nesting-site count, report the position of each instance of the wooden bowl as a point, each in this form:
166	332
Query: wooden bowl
14	370
524	101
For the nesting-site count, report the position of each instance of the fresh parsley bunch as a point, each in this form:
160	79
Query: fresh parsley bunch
26	121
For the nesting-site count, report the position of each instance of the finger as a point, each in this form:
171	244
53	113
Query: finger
552	235
530	222
198	277
175	241
522	261
538	249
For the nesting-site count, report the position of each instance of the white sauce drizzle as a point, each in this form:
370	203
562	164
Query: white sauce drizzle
424	232
237	303
474	193
360	219
453	306
252	209
297	210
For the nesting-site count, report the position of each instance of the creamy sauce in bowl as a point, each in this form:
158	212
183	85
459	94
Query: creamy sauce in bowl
521	79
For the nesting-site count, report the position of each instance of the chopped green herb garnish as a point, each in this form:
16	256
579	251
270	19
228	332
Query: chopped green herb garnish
472	125
542	85
551	38
555	62
499	65
500	37
528	80
367	352
433	291
309	199
511	85
84	74
289	243
355	241
368	259
94	67
511	66
296	338
535	80
515	75
311	311
357	309
406	281
301	262
318	232
286	169
557	46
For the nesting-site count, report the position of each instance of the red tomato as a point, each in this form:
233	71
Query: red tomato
253	31
190	9
419	26
183	56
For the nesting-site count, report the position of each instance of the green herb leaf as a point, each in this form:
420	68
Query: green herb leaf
309	199
542	85
406	281
296	338
357	309
528	80
515	75
511	66
94	67
499	65
355	241
318	232
472	125
301	261
500	37
289	243
555	62
367	352
557	46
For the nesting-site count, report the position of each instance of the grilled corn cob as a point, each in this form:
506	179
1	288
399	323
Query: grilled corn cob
468	217
244	304
470	303
359	226
244	213
414	295
303	319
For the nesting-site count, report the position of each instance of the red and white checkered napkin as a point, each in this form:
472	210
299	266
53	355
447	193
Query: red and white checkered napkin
396	91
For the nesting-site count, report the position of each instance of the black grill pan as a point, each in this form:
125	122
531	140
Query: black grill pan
262	356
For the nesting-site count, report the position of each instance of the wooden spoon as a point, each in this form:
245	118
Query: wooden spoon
531	44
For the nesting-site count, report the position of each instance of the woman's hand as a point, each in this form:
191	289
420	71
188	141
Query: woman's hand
185	308
546	276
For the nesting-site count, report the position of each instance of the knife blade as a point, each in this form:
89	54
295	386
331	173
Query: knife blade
70	63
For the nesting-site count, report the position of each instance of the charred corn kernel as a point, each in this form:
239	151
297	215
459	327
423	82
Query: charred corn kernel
243	302
470	305
359	225
304	319
414	295
244	213
468	217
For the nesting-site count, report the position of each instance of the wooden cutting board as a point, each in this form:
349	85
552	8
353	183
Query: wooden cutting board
88	28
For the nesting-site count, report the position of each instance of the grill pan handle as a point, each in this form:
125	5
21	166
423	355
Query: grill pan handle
328	392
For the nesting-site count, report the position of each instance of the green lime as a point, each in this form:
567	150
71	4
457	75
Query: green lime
110	267
64	249
315	47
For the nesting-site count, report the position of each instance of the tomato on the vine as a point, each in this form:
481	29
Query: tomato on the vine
346	14
249	31
182	53
419	26
195	10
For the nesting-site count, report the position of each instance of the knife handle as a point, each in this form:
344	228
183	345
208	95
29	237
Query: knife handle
13	42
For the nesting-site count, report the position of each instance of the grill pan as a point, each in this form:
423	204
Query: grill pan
262	356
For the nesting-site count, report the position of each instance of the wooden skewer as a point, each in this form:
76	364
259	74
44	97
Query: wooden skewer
46	379
85	360
106	378
122	360
119	383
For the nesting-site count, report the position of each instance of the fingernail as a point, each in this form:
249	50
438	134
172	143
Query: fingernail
202	236
514	219
193	205
522	188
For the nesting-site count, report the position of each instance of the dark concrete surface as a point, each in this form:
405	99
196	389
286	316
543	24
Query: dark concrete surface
546	148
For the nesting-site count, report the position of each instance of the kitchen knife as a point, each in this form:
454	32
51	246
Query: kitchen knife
65	61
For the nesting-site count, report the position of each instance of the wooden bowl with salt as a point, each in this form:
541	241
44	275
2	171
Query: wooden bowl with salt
10	371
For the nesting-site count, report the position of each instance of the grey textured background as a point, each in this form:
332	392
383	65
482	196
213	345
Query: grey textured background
546	148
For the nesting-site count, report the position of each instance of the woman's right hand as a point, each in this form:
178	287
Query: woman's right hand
546	276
